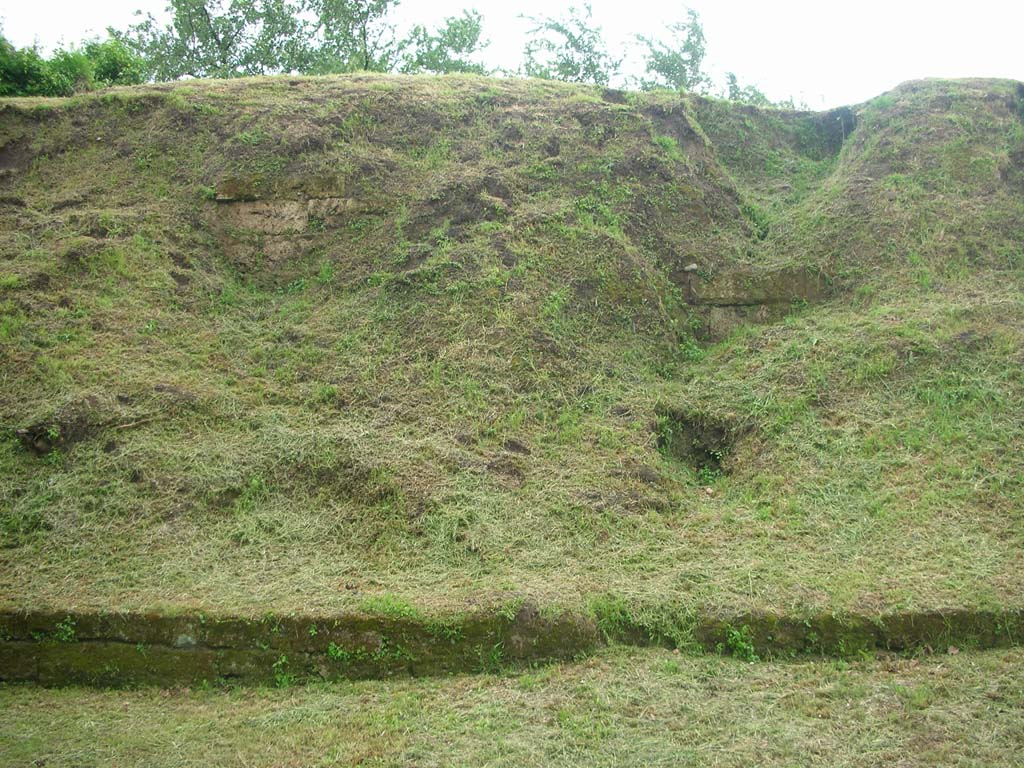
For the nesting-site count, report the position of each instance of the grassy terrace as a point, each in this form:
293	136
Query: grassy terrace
619	708
324	345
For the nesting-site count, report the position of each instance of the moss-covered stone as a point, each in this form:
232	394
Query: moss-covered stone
153	649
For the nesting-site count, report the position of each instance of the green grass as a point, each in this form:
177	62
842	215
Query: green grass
430	374
619	708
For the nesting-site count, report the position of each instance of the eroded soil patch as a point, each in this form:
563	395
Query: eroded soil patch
700	441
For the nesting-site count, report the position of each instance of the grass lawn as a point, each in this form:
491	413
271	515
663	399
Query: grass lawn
621	707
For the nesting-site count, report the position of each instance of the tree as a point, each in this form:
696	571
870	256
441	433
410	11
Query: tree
233	38
569	49
448	49
677	65
351	36
220	38
751	94
748	94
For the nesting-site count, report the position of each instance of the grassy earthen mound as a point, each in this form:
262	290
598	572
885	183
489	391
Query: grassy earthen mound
302	345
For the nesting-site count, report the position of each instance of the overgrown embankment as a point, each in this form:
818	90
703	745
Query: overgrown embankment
293	344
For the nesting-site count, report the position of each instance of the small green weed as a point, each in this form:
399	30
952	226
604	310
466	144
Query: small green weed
708	475
251	138
510	610
915	696
326	394
65	632
325	273
691	350
448	629
670	146
390	606
492	659
345	655
612	615
282	677
739	642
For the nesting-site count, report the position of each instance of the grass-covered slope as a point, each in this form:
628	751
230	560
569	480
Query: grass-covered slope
300	344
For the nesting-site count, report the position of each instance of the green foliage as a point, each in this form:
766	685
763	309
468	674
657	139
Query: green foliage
390	606
392	651
691	350
758	219
510	610
739	643
19	525
447	628
326	273
492	658
677	64
64	632
670	146
748	94
708	475
71	71
282	677
569	49
114	63
447	49
612	615
25	72
344	655
336	652
751	94
229	38
219	38
388	651
349	36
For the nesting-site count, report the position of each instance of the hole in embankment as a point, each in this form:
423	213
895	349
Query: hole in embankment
837	125
700	441
1016	103
14	155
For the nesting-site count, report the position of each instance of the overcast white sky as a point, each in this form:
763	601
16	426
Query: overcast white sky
823	53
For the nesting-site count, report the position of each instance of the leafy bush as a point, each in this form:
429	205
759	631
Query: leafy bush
70	72
114	63
25	72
